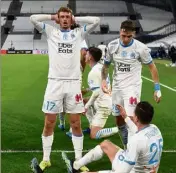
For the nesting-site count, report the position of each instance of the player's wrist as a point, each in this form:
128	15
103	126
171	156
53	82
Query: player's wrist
157	87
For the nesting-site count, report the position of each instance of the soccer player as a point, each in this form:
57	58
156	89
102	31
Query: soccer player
98	107
63	91
128	55
144	149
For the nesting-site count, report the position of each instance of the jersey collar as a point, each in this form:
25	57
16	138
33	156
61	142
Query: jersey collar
143	128
65	30
128	45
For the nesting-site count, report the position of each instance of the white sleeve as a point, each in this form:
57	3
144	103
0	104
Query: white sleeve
84	45
127	159
37	21
92	99
93	81
145	55
94	85
132	127
108	57
93	22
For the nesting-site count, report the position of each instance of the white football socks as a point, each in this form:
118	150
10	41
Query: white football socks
47	144
93	155
78	146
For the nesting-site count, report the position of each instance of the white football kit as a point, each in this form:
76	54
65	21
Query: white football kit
143	152
126	87
63	90
99	101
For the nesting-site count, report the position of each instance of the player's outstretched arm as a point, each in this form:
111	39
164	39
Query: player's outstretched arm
92	23
132	127
155	77
147	59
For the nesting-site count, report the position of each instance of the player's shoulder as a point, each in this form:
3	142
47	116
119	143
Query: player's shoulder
140	45
113	46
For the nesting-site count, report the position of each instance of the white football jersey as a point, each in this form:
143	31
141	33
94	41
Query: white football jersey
84	45
94	82
64	52
64	46
143	152
127	62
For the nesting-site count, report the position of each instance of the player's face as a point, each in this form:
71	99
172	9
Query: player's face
65	20
126	36
135	119
88	57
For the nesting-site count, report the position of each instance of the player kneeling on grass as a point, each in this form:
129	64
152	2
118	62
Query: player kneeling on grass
98	107
144	149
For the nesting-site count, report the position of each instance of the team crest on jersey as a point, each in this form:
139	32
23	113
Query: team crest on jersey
72	35
65	36
123	53
132	55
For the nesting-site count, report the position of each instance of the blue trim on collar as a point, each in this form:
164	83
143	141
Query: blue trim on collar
67	30
131	42
143	128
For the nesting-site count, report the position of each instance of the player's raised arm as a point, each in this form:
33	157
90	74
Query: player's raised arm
92	23
105	70
147	59
38	21
131	125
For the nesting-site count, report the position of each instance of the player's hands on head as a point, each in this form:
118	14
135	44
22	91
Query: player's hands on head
157	96
73	19
55	18
122	111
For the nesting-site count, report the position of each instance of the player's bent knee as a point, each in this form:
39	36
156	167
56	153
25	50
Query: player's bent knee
92	136
75	125
104	144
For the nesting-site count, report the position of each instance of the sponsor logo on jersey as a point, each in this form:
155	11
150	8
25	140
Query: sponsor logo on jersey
123	67
65	48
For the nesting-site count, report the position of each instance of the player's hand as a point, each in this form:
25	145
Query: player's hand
104	87
154	169
157	96
122	111
73	19
55	18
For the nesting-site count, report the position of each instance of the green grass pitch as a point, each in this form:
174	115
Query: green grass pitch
23	82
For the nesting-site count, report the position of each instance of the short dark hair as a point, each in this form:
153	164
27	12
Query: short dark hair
64	9
128	25
96	53
75	25
144	111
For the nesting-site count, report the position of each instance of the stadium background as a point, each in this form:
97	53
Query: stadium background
25	67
